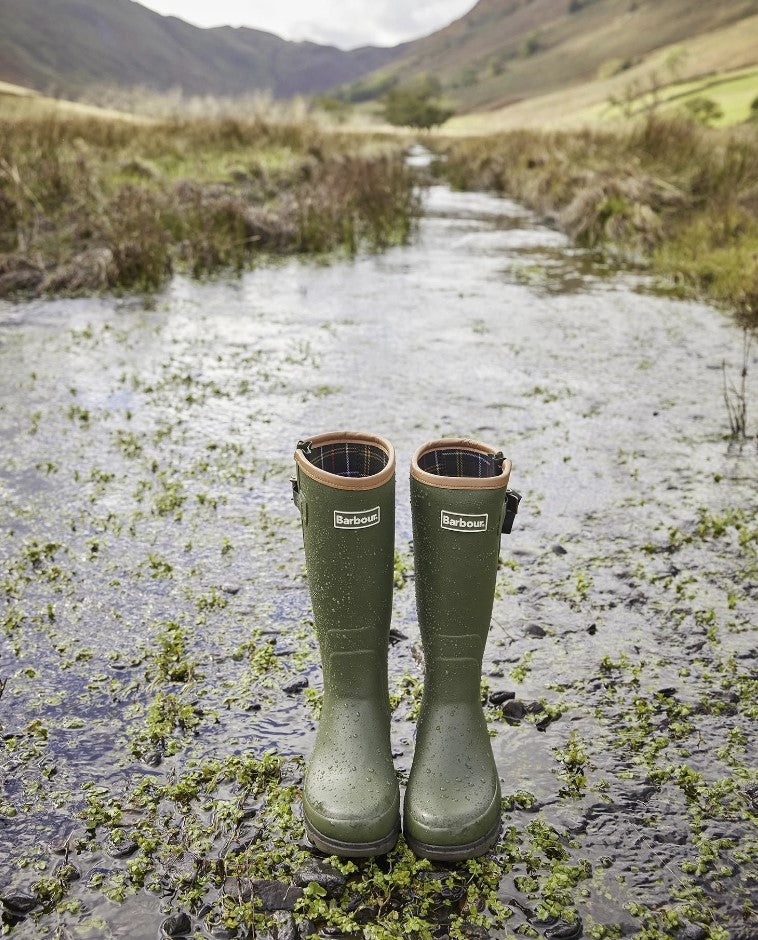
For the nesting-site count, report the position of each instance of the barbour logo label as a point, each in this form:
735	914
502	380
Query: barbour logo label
356	520
463	522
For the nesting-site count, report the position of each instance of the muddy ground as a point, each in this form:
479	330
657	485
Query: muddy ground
159	673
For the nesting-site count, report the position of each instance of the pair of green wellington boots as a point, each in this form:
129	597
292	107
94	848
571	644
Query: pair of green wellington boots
345	490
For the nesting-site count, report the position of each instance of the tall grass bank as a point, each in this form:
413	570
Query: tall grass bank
664	191
88	204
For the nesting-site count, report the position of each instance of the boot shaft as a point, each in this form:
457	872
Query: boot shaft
345	487
458	491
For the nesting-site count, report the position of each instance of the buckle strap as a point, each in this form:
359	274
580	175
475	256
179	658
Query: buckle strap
512	500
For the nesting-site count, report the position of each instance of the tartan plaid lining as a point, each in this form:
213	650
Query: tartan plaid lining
349	459
457	462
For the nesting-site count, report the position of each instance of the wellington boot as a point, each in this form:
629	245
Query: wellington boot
345	489
459	504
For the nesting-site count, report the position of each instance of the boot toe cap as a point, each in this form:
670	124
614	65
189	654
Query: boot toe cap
345	810
458	819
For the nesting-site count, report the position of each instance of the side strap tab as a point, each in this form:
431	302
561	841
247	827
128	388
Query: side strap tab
299	500
512	500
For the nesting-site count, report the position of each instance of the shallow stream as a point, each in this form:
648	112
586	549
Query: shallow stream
146	519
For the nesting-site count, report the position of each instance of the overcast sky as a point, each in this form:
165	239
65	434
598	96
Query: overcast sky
345	23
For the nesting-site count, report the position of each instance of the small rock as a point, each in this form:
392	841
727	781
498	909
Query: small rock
565	930
231	588
503	695
362	913
396	636
514	710
285	927
592	629
692	932
222	932
296	685
178	925
307	930
558	550
534	708
275	895
534	629
96	877
18	902
667	692
66	842
543	723
327	876
474	931
122	849
572	822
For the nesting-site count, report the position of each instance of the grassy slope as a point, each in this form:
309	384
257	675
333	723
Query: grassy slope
18	102
482	61
731	51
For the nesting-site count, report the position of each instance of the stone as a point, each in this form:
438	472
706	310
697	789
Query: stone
534	629
327	876
565	930
514	710
177	925
18	902
284	926
229	587
396	636
558	550
275	895
545	722
296	685
65	842
122	849
692	932
503	695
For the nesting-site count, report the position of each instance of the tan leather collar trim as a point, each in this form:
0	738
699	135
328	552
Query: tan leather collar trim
458	483
348	483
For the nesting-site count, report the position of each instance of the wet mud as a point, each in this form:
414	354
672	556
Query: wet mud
158	668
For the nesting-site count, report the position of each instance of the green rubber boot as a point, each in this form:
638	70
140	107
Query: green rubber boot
345	489
460	504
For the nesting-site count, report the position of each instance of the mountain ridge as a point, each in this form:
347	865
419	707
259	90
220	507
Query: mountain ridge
79	43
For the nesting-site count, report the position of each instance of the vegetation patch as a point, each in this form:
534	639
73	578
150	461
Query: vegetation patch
91	204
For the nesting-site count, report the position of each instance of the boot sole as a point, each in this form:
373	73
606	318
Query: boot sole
454	853
351	849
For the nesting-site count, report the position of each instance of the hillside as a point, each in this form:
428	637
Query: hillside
506	51
65	45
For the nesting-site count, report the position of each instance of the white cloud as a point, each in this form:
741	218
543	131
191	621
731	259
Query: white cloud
347	24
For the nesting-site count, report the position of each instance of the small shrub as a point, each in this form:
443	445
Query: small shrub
704	110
